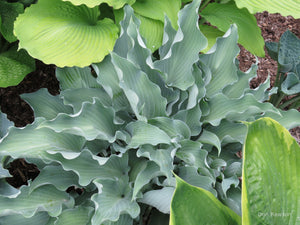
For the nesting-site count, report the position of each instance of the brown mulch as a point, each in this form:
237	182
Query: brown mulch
272	27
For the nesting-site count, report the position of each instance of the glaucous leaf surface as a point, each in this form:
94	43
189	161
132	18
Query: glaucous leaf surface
63	34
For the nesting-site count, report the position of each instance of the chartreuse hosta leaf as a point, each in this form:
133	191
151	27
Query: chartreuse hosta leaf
192	205
285	8
60	33
222	15
271	170
116	4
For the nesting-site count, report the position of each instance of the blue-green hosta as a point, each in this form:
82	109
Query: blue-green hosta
120	130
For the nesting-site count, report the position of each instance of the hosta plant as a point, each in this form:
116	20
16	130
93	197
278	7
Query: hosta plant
287	54
14	64
270	184
118	132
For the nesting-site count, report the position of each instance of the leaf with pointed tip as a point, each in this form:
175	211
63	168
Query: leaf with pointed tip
46	198
30	142
14	66
183	53
143	95
116	4
270	149
93	121
211	33
113	200
160	199
223	15
285	8
198	198
60	33
143	133
220	60
208	137
46	105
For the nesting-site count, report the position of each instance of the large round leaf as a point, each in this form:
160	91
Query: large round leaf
14	66
116	4
60	33
284	7
270	188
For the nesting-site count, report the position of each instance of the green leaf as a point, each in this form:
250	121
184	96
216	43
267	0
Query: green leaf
116	4
93	121
220	60
184	49
202	206
222	15
60	33
8	14
112	200
211	33
158	9
14	66
39	218
46	198
76	216
270	149
46	105
288	52
285	8
4	124
160	199
291	84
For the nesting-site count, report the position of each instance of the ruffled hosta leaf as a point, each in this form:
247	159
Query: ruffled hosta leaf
116	4
220	60
14	66
6	190
151	171
211	33
191	153
56	176
210	138
93	121
34	143
39	218
143	133
212	210
222	15
291	85
123	220
162	157
160	199
46	198
143	95
183	53
46	105
4	124
285	8
89	167
270	149
191	175
76	216
60	33
75	77
234	108
158	9
8	14
112	200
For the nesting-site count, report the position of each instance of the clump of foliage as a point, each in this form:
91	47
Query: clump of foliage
14	65
269	149
287	55
117	132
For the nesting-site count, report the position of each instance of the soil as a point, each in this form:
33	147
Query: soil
18	111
